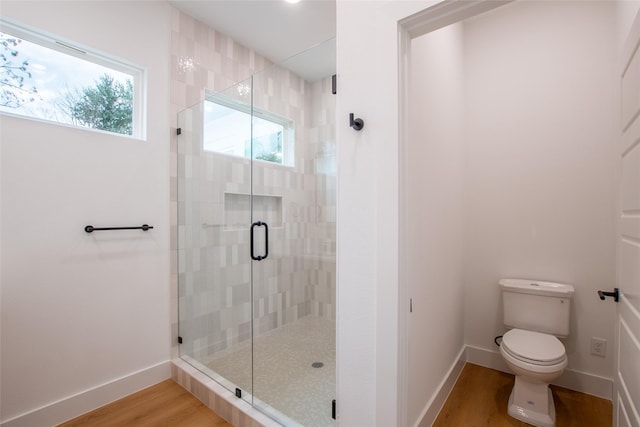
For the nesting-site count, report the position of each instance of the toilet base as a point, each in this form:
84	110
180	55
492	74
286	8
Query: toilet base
520	407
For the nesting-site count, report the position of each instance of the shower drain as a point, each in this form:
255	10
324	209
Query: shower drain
317	365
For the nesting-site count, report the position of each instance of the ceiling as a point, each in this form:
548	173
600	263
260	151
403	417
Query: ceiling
275	29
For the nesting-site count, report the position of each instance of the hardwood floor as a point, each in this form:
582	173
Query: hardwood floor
480	396
164	404
479	399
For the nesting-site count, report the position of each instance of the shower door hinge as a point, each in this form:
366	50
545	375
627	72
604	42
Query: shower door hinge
179	340
334	84
179	131
333	409
410	305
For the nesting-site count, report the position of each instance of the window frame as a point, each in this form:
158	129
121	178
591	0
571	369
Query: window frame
77	50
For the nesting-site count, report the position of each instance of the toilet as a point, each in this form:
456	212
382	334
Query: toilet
537	314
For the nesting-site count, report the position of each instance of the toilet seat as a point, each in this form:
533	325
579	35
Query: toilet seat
533	347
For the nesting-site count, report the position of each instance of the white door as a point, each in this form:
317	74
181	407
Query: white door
627	381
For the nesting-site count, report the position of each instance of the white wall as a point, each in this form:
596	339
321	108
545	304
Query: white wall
433	178
85	318
369	359
541	132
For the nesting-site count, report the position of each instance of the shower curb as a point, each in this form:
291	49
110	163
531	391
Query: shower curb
217	398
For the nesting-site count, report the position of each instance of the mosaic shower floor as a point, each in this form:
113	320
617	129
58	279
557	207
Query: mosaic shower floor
284	377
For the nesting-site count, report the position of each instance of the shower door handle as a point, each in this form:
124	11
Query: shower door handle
266	241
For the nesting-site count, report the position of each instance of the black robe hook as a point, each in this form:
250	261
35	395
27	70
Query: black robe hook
357	124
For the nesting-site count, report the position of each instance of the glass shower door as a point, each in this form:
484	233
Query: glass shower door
293	182
214	216
256	242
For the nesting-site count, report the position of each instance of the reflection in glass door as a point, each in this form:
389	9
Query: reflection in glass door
256	238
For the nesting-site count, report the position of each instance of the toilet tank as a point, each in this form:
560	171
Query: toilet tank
536	306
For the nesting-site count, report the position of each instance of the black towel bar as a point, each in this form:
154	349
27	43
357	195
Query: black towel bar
91	228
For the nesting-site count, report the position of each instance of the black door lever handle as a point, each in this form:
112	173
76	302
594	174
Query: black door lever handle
615	294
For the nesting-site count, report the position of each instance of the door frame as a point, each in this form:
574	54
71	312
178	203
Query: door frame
415	25
430	19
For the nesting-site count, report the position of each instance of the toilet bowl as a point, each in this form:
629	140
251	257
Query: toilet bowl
537	312
536	359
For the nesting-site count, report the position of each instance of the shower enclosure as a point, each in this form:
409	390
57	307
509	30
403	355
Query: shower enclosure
256	240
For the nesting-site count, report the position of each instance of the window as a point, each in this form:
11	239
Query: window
45	78
228	128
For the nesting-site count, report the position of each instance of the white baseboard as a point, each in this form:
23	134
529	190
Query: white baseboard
433	407
571	379
88	400
487	358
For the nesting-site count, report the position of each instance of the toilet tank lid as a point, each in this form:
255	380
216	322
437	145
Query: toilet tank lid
537	287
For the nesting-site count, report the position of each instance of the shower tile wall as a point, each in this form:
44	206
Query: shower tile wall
298	278
201	58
